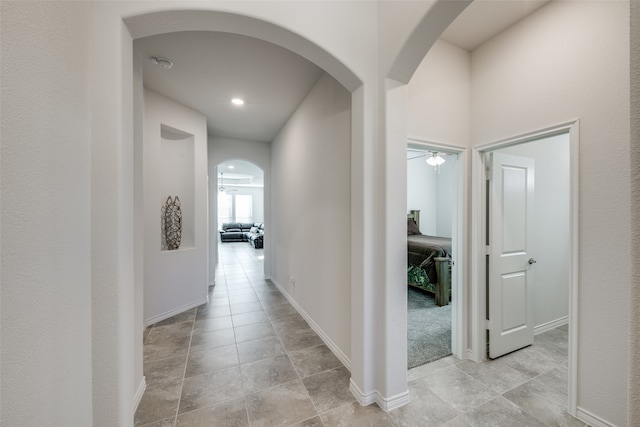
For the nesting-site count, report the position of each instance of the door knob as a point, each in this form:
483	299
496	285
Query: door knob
532	261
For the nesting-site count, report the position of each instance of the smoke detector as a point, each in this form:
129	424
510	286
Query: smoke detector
163	62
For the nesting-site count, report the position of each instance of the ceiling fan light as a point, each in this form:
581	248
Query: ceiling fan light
221	185
435	160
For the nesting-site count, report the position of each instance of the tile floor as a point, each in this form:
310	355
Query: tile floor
247	358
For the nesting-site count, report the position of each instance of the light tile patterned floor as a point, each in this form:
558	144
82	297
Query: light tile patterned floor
249	359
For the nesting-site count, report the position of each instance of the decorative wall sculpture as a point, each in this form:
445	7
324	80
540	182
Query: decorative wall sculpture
171	224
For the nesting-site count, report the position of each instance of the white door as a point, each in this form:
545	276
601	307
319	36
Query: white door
511	261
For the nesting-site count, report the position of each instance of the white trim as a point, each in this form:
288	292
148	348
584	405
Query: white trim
176	311
592	419
392	402
478	220
317	329
564	320
460	270
459	297
574	268
137	397
363	399
566	127
478	345
375	397
440	146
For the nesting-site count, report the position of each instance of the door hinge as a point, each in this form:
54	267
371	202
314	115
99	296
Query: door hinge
488	324
488	163
487	250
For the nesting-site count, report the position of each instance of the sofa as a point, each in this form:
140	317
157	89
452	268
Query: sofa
243	232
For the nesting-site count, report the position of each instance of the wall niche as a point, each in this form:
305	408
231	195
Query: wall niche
177	165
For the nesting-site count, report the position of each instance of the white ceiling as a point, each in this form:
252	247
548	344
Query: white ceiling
240	172
484	19
210	68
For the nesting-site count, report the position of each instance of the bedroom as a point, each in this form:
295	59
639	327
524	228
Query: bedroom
430	208
431	203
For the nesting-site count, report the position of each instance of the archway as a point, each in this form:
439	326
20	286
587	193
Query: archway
236	194
375	374
163	22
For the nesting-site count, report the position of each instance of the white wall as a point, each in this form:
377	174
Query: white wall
432	192
634	305
446	197
49	47
551	226
438	103
174	280
567	61
438	111
310	205
422	192
46	297
570	60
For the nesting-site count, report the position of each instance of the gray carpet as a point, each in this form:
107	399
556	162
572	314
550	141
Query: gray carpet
428	329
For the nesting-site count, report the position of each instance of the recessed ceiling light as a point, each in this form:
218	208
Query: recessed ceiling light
237	101
163	62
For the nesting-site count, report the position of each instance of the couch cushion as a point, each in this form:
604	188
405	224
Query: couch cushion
228	225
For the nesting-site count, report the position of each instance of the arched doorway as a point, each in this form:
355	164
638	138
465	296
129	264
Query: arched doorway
248	27
239	198
374	379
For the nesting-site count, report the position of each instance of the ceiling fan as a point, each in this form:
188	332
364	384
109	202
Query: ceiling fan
433	158
221	187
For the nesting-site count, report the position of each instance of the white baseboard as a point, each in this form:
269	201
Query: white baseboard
385	404
317	329
375	397
168	314
138	396
471	355
393	402
551	325
592	419
363	399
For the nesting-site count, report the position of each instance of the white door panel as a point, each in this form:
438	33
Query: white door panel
510	237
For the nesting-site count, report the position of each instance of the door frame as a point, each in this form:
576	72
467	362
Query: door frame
459	224
478	294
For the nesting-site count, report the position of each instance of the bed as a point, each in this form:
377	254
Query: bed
429	262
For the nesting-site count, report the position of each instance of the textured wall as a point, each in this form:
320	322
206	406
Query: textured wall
45	228
634	309
438	103
174	281
567	61
310	209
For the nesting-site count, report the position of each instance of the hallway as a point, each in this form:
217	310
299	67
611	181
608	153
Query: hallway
249	359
